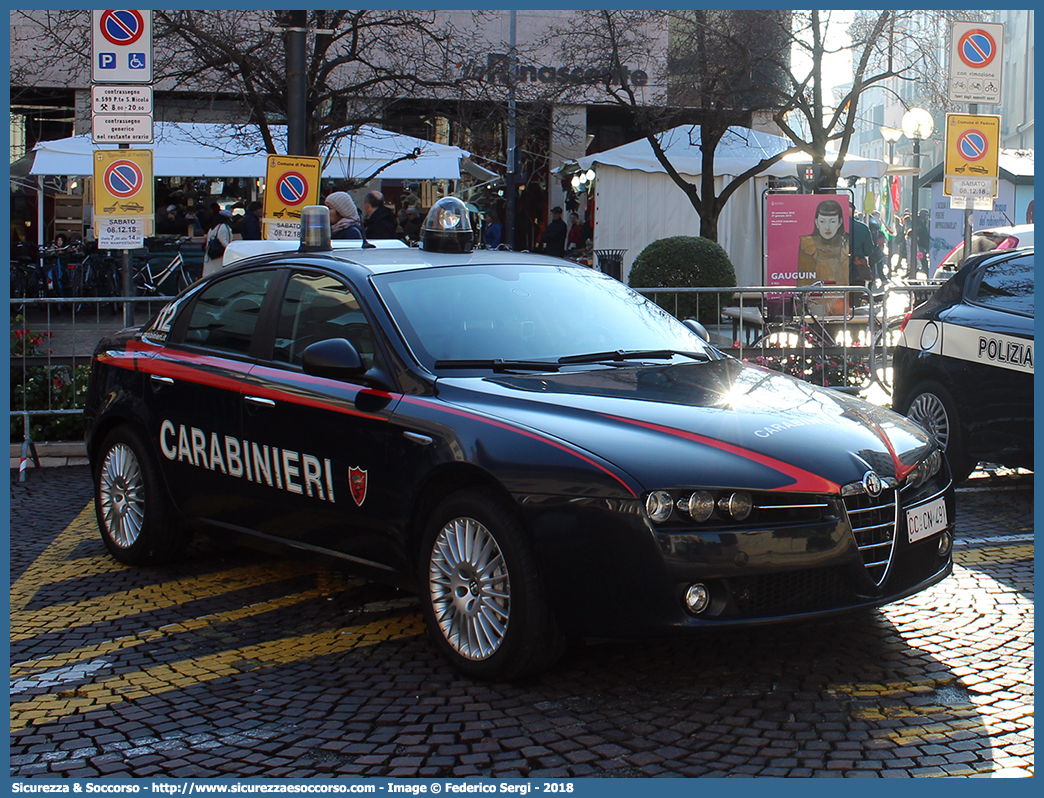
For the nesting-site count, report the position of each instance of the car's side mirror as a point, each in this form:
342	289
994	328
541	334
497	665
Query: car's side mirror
697	328
334	358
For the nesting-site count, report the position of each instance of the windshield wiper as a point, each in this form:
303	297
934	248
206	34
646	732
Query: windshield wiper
498	365
631	354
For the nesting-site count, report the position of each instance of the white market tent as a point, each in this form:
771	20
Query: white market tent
636	202
183	149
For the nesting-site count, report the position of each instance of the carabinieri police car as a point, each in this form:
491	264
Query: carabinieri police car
538	451
963	367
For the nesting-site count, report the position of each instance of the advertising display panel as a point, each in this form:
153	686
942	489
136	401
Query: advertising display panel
807	242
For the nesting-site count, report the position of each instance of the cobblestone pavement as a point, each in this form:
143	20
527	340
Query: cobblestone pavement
237	663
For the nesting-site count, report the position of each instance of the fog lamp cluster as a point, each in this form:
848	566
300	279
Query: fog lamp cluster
945	543
697	598
699	505
926	469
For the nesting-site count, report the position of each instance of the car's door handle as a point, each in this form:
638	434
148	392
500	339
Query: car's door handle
260	402
159	381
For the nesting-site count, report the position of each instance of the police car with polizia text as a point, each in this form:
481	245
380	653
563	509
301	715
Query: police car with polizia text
538	451
963	367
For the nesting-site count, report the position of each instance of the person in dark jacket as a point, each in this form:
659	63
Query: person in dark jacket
380	220
554	238
250	227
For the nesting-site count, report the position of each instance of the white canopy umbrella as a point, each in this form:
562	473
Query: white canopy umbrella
184	149
739	149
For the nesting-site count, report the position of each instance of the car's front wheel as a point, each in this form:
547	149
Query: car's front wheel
484	602
932	407
134	515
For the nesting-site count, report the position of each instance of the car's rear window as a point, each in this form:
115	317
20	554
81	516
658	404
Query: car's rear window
1007	286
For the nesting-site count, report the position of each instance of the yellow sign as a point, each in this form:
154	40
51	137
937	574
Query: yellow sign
123	183
291	183
972	146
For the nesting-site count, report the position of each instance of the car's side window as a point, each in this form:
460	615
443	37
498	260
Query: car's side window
317	307
226	313
1008	286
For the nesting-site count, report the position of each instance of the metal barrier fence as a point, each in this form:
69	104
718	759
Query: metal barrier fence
841	336
837	336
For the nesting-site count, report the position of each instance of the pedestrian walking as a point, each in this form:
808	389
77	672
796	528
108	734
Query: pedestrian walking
218	237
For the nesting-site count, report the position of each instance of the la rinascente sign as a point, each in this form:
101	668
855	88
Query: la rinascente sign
498	70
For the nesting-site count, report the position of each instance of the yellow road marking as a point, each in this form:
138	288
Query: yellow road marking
30	667
998	554
26	624
54	564
188	673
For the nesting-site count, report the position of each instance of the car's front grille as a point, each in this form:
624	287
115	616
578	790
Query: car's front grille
790	591
873	520
917	564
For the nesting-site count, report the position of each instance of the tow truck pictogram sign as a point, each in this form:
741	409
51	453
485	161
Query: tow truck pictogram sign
291	182
972	148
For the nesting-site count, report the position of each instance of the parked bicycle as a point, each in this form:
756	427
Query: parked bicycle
97	275
151	281
815	334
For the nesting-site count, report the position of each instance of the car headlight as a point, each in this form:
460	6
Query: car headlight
737	505
699	506
659	506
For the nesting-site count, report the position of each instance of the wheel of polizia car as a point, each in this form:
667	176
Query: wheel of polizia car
931	406
484	603
136	522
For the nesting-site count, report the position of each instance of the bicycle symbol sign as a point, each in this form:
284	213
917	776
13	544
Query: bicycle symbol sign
124	179
973	145
292	188
977	48
122	27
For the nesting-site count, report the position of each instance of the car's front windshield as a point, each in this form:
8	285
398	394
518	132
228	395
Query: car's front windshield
452	315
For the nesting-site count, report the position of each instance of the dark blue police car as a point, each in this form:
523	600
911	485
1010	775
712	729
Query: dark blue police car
538	451
963	367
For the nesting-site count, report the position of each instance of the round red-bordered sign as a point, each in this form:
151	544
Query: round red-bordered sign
122	27
292	188
123	179
977	48
973	145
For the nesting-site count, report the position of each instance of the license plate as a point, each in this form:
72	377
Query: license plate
926	520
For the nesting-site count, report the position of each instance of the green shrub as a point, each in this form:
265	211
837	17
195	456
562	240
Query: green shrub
44	388
685	262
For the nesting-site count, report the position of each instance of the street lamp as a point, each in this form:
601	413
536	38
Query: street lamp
917	126
891	135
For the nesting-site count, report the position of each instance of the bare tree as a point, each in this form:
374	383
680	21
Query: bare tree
725	67
357	62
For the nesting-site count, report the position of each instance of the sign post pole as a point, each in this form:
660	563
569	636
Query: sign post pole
121	52
975	76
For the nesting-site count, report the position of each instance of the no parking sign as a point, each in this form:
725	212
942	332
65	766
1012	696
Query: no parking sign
291	182
972	148
975	62
123	199
121	46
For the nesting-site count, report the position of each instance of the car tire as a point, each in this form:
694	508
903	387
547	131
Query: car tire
137	523
931	406
482	596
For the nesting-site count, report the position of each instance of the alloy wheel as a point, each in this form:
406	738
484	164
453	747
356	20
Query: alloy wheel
122	495
470	588
928	410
